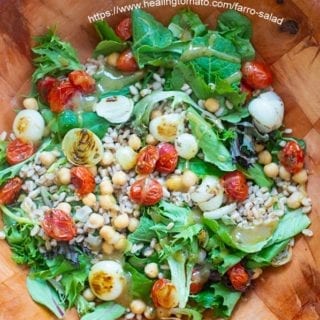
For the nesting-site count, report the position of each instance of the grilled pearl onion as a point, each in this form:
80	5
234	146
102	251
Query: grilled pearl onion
107	280
82	147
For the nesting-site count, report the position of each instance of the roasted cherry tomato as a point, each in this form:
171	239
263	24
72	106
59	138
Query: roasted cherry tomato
124	29
246	89
256	74
82	81
235	185
164	294
239	277
168	158
59	225
18	151
146	191
10	190
147	159
45	85
83	180
198	279
60	95
126	62
292	157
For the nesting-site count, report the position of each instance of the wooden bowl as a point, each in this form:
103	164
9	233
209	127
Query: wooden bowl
291	292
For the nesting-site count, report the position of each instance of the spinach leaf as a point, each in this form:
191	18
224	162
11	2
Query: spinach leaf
105	32
235	115
41	292
144	232
53	57
255	172
83	306
237	28
219	298
106	47
141	286
185	25
214	150
199	167
264	257
93	122
107	310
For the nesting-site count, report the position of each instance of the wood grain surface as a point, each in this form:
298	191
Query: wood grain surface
288	293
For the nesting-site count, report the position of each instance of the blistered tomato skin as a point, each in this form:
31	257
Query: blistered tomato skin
45	85
18	151
126	62
235	186
60	94
146	191
292	157
164	294
239	277
83	180
256	74
82	81
59	225
168	158
10	190
147	159
124	29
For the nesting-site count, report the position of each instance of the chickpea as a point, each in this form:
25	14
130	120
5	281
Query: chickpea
301	177
106	187
64	206
137	306
134	142
107	159
151	270
120	178
89	199
121	244
112	59
30	103
47	158
107	202
174	183
258	147
121	221
271	170
107	233
116	237
211	104
284	174
294	201
150	139
264	157
64	176
88	295
107	248
133	224
93	170
189	179
156	114
96	220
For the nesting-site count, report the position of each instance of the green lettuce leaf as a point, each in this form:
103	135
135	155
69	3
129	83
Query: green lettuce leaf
107	310
107	47
144	232
105	32
255	172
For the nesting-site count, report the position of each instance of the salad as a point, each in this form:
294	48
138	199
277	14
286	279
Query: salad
156	180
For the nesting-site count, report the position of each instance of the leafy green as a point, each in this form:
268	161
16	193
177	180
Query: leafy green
219	298
3	152
53	57
105	32
264	257
199	167
255	172
237	28
67	120
93	122
107	310
83	306
185	25
144	232
235	115
140	285
107	47
190	313
214	150
41	292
